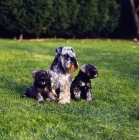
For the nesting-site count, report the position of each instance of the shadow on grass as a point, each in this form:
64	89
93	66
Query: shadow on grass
9	86
134	113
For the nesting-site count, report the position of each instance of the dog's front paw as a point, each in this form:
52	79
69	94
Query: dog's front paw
63	102
77	98
53	97
40	101
47	99
89	99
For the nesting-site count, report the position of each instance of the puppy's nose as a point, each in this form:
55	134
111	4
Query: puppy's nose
95	75
43	83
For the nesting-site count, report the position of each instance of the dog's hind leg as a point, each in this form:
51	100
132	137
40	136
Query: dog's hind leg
39	98
89	95
77	93
30	93
52	96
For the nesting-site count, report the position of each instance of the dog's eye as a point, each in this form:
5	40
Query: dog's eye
66	56
89	69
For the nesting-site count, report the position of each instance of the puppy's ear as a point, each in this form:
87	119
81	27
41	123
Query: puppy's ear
46	72
59	50
83	68
34	73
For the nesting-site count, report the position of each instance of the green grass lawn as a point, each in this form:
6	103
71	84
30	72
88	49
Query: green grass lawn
113	115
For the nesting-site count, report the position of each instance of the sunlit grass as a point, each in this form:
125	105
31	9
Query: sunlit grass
114	114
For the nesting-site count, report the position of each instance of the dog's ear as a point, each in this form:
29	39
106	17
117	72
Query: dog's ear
59	50
72	50
34	73
83	68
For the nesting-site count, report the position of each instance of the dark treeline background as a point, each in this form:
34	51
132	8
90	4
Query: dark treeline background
67	19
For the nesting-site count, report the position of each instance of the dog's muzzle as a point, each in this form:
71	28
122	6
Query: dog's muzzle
73	67
96	75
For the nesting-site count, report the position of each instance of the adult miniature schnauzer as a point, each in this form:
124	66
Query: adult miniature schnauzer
41	89
81	85
61	71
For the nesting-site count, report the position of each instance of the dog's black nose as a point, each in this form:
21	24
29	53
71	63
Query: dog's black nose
73	60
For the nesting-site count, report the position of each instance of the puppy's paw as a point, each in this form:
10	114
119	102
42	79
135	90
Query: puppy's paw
53	97
47	99
89	99
24	96
40	101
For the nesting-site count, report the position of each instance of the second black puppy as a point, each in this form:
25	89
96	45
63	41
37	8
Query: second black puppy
81	85
41	89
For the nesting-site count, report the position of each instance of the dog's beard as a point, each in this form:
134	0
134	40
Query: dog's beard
72	68
68	65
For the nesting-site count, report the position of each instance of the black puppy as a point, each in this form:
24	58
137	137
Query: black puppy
81	85
41	89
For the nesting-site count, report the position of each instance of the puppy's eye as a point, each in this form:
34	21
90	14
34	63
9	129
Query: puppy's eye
89	69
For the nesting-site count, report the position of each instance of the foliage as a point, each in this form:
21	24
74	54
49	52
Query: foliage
62	18
114	114
86	18
73	11
126	26
13	15
30	16
107	18
38	16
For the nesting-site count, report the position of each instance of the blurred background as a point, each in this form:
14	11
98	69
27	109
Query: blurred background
25	19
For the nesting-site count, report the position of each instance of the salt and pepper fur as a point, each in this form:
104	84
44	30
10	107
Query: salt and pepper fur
61	70
41	88
81	85
57	85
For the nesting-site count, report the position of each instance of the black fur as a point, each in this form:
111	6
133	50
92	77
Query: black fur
41	89
81	85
